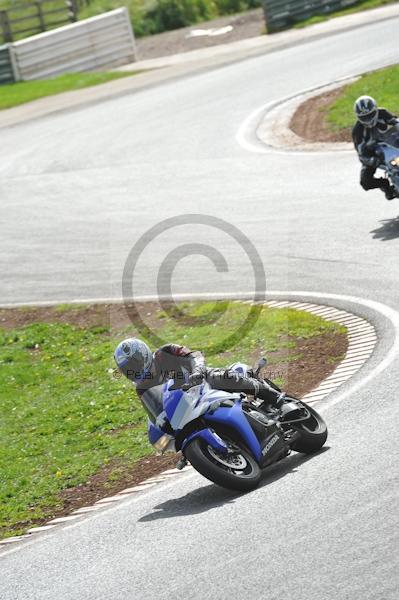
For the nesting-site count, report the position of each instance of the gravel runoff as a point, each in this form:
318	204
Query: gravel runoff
243	26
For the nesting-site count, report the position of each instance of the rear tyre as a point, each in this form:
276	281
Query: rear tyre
237	470
313	433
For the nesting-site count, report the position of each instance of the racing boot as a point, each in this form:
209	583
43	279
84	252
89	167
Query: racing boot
269	395
388	189
390	193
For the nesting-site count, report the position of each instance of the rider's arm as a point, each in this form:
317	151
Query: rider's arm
388	117
173	357
358	140
363	148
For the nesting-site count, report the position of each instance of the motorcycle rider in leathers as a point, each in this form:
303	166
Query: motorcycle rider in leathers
372	123
171	361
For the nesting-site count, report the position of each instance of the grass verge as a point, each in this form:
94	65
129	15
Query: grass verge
66	417
14	94
358	7
383	85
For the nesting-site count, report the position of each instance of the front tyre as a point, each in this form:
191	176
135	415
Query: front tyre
312	433
237	470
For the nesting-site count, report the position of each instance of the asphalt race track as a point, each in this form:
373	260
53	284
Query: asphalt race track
77	191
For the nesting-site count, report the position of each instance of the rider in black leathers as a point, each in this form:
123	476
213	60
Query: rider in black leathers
186	367
372	123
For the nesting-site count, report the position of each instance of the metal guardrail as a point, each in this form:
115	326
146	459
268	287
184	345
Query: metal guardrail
282	14
6	66
100	42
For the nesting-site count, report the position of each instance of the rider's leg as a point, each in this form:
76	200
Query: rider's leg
231	381
369	182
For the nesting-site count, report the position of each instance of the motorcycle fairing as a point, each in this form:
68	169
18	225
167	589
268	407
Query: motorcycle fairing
183	407
390	153
209	436
234	418
388	147
154	433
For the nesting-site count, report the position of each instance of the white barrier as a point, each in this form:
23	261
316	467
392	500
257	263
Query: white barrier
89	45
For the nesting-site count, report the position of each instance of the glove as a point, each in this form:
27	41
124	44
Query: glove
195	378
371	145
374	161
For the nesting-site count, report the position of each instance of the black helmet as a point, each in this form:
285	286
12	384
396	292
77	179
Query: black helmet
366	110
134	359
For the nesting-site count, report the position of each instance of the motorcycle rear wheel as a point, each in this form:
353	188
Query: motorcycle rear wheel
313	433
238	471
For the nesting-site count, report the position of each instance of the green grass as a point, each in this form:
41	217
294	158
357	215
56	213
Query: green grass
59	399
13	94
360	6
383	85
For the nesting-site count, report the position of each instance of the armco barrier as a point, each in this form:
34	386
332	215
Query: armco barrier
281	14
92	44
6	67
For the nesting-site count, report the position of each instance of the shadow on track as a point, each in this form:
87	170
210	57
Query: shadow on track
211	496
389	230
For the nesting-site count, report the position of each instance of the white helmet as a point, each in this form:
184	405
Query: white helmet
366	110
134	359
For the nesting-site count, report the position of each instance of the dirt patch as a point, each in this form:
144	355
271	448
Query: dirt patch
310	123
245	25
115	316
317	358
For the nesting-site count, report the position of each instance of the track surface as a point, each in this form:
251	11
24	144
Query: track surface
78	189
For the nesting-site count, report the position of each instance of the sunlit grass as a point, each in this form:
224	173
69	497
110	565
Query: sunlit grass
13	94
59	398
383	85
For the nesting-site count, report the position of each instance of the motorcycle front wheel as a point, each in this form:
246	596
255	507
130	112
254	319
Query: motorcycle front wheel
237	470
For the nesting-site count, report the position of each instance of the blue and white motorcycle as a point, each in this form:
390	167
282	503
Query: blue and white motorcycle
388	152
228	437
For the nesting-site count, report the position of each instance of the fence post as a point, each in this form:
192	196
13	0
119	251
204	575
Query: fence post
264	6
5	26
72	10
40	16
7	72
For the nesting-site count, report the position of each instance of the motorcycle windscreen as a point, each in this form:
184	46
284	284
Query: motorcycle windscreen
152	400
